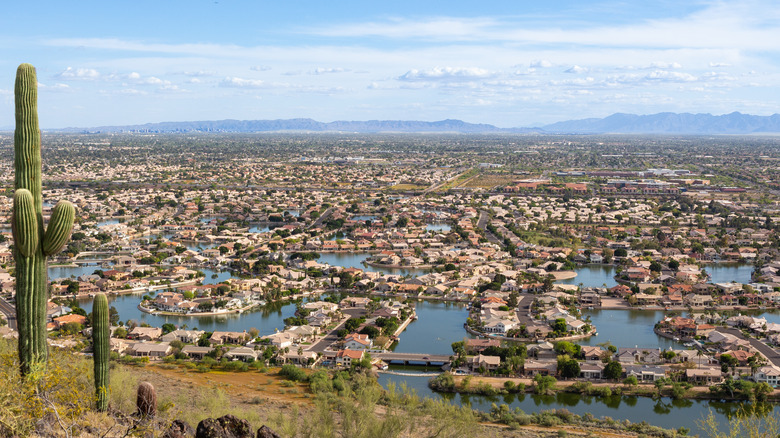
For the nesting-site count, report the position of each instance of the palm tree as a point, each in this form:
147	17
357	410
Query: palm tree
699	354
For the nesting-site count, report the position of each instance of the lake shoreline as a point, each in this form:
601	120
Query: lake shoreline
562	386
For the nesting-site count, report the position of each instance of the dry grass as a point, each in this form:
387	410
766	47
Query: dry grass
489	181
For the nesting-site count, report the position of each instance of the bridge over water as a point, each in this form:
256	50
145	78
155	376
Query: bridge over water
413	358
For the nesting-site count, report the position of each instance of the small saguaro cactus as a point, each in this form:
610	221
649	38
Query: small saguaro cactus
31	243
146	402
101	349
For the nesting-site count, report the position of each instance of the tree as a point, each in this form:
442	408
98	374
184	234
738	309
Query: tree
568	367
167	328
728	361
71	328
113	315
631	381
613	370
544	384
559	326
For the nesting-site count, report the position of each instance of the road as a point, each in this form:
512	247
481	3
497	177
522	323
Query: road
329	339
484	217
771	354
322	218
10	313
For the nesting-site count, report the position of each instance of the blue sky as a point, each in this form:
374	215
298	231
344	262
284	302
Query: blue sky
508	63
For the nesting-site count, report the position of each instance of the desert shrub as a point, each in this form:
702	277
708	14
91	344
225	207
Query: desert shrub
292	372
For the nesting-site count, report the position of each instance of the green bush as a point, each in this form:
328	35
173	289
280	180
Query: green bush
292	372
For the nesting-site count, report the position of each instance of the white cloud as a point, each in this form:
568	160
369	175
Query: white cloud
664	65
55	87
542	63
234	82
323	70
87	74
260	68
446	73
576	69
673	76
719	64
199	73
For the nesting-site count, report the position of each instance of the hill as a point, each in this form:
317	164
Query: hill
670	123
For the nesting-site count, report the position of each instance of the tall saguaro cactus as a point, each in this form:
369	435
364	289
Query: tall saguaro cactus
100	348
31	243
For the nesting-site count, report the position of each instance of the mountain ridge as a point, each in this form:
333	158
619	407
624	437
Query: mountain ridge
618	123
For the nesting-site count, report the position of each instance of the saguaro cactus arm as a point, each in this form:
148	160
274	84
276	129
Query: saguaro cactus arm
24	223
60	226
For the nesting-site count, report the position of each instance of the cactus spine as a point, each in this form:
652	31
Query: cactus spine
101	349
31	243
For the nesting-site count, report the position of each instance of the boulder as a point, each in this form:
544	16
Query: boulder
179	429
266	432
227	426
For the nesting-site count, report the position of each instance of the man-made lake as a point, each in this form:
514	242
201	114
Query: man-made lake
266	319
627	328
356	259
438	228
664	412
593	276
438	325
728	272
600	275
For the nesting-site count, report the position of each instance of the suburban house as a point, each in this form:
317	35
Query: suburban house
150	349
244	354
356	341
645	373
228	338
769	374
703	376
186	336
195	352
487	363
346	357
145	333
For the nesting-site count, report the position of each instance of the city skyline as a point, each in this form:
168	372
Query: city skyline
496	63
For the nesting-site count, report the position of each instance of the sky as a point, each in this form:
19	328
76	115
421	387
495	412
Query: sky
508	63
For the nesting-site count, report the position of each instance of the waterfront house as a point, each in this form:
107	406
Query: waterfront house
703	376
645	373
769	374
346	357
533	367
486	363
591	370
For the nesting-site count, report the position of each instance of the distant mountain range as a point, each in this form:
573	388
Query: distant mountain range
670	123
661	123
